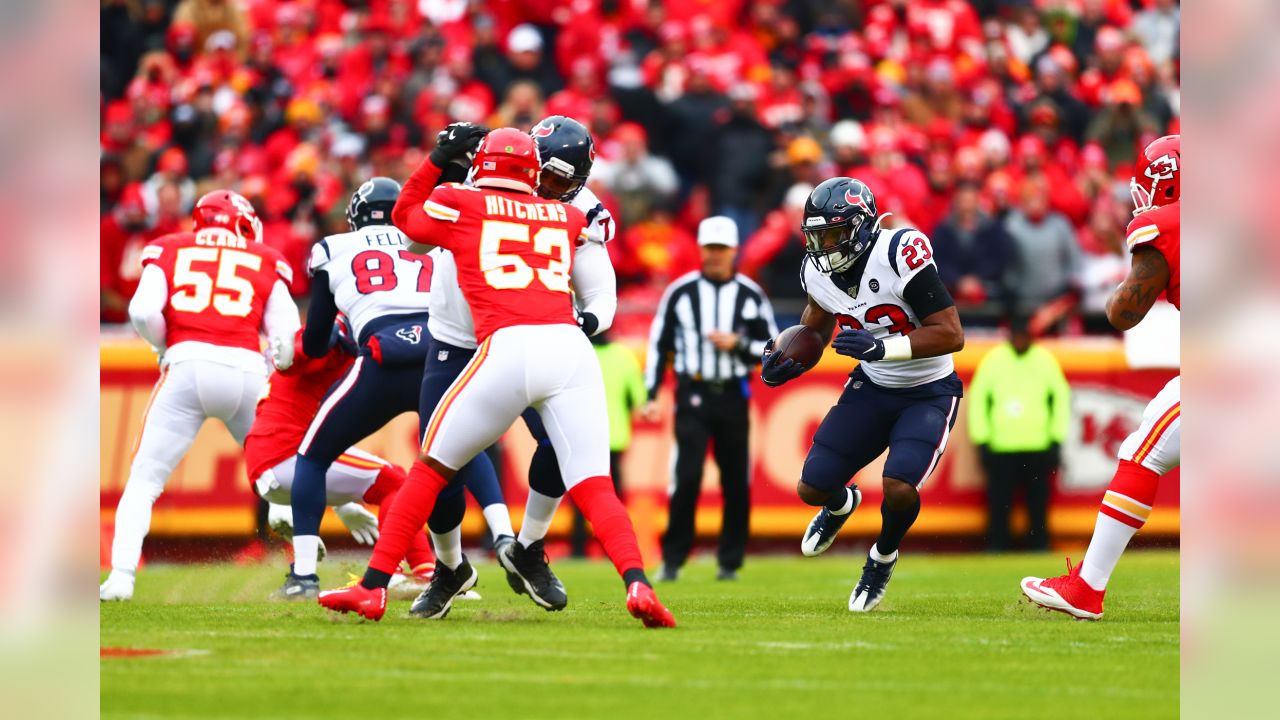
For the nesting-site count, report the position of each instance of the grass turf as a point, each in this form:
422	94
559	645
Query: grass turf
952	639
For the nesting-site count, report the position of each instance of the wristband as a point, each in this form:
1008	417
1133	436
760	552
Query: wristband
897	347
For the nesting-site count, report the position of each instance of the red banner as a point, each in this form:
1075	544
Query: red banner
209	494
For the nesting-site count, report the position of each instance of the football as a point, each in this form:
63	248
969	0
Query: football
800	343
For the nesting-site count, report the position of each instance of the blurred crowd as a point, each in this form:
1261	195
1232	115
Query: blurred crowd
1004	129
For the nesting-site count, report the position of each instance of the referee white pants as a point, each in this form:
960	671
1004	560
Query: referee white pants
551	368
188	393
1157	443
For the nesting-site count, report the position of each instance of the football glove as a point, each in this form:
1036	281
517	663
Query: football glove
589	323
457	144
362	524
776	370
860	344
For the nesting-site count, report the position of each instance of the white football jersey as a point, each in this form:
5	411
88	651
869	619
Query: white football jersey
450	321
372	274
876	303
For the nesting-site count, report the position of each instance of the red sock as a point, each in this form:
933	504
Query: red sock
407	514
599	502
390	479
419	552
1130	495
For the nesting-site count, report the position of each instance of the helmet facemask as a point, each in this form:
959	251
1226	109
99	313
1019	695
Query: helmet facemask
835	248
558	181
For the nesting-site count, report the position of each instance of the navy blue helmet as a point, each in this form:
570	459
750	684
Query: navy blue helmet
840	223
567	153
371	203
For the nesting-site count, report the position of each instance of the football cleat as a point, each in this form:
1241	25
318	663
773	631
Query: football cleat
371	604
869	591
643	604
117	587
1066	593
405	586
446	586
528	569
513	580
298	587
825	525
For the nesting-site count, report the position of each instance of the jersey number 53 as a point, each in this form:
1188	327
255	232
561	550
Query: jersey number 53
509	271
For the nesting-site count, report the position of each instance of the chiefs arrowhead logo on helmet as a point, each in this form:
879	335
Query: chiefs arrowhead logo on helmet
543	130
856	201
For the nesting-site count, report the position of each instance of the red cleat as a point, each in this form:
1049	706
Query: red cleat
1066	593
642	603
356	598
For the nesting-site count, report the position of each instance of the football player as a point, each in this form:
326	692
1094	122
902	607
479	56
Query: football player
285	410
566	151
881	288
1154	240
202	300
383	290
514	255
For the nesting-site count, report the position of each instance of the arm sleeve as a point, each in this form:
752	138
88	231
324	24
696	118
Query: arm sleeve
422	217
980	403
320	316
1060	396
280	321
146	308
595	284
662	341
926	294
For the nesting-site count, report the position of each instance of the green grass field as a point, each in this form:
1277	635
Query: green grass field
951	640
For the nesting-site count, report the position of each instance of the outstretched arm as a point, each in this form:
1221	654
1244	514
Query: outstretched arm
1148	277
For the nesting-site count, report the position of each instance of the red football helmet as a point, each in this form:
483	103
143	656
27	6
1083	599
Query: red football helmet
230	211
1160	179
508	159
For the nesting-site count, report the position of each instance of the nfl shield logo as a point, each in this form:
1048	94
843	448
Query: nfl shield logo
874	285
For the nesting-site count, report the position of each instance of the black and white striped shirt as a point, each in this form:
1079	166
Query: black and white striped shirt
691	308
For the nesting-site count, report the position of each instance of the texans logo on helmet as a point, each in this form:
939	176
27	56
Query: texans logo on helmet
856	201
542	131
412	334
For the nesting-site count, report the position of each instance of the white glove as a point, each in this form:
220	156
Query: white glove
362	523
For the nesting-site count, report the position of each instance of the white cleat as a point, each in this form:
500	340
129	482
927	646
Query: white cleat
870	590
825	525
118	587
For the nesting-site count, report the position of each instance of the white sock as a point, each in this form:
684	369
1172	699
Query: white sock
499	520
306	548
448	548
133	520
848	503
539	511
881	557
1110	538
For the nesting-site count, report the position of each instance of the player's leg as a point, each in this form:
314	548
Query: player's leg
1148	453
852	434
916	443
477	408
688	457
525	561
576	420
172	419
731	428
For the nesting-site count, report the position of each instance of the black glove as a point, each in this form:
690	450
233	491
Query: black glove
589	323
457	144
776	370
860	344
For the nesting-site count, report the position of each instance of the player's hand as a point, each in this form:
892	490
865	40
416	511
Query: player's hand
860	344
589	323
457	143
362	523
776	370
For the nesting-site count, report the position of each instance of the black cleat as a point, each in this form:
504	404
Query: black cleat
446	586
513	580
298	587
869	591
825	525
528	572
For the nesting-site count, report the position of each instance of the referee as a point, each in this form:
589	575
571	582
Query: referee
712	326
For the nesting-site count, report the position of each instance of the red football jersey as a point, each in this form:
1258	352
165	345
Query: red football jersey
287	406
218	286
513	251
1161	228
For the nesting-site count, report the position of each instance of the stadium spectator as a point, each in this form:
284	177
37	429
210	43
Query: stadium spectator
1158	26
636	179
772	256
972	250
1019	412
209	17
1043	273
1122	123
